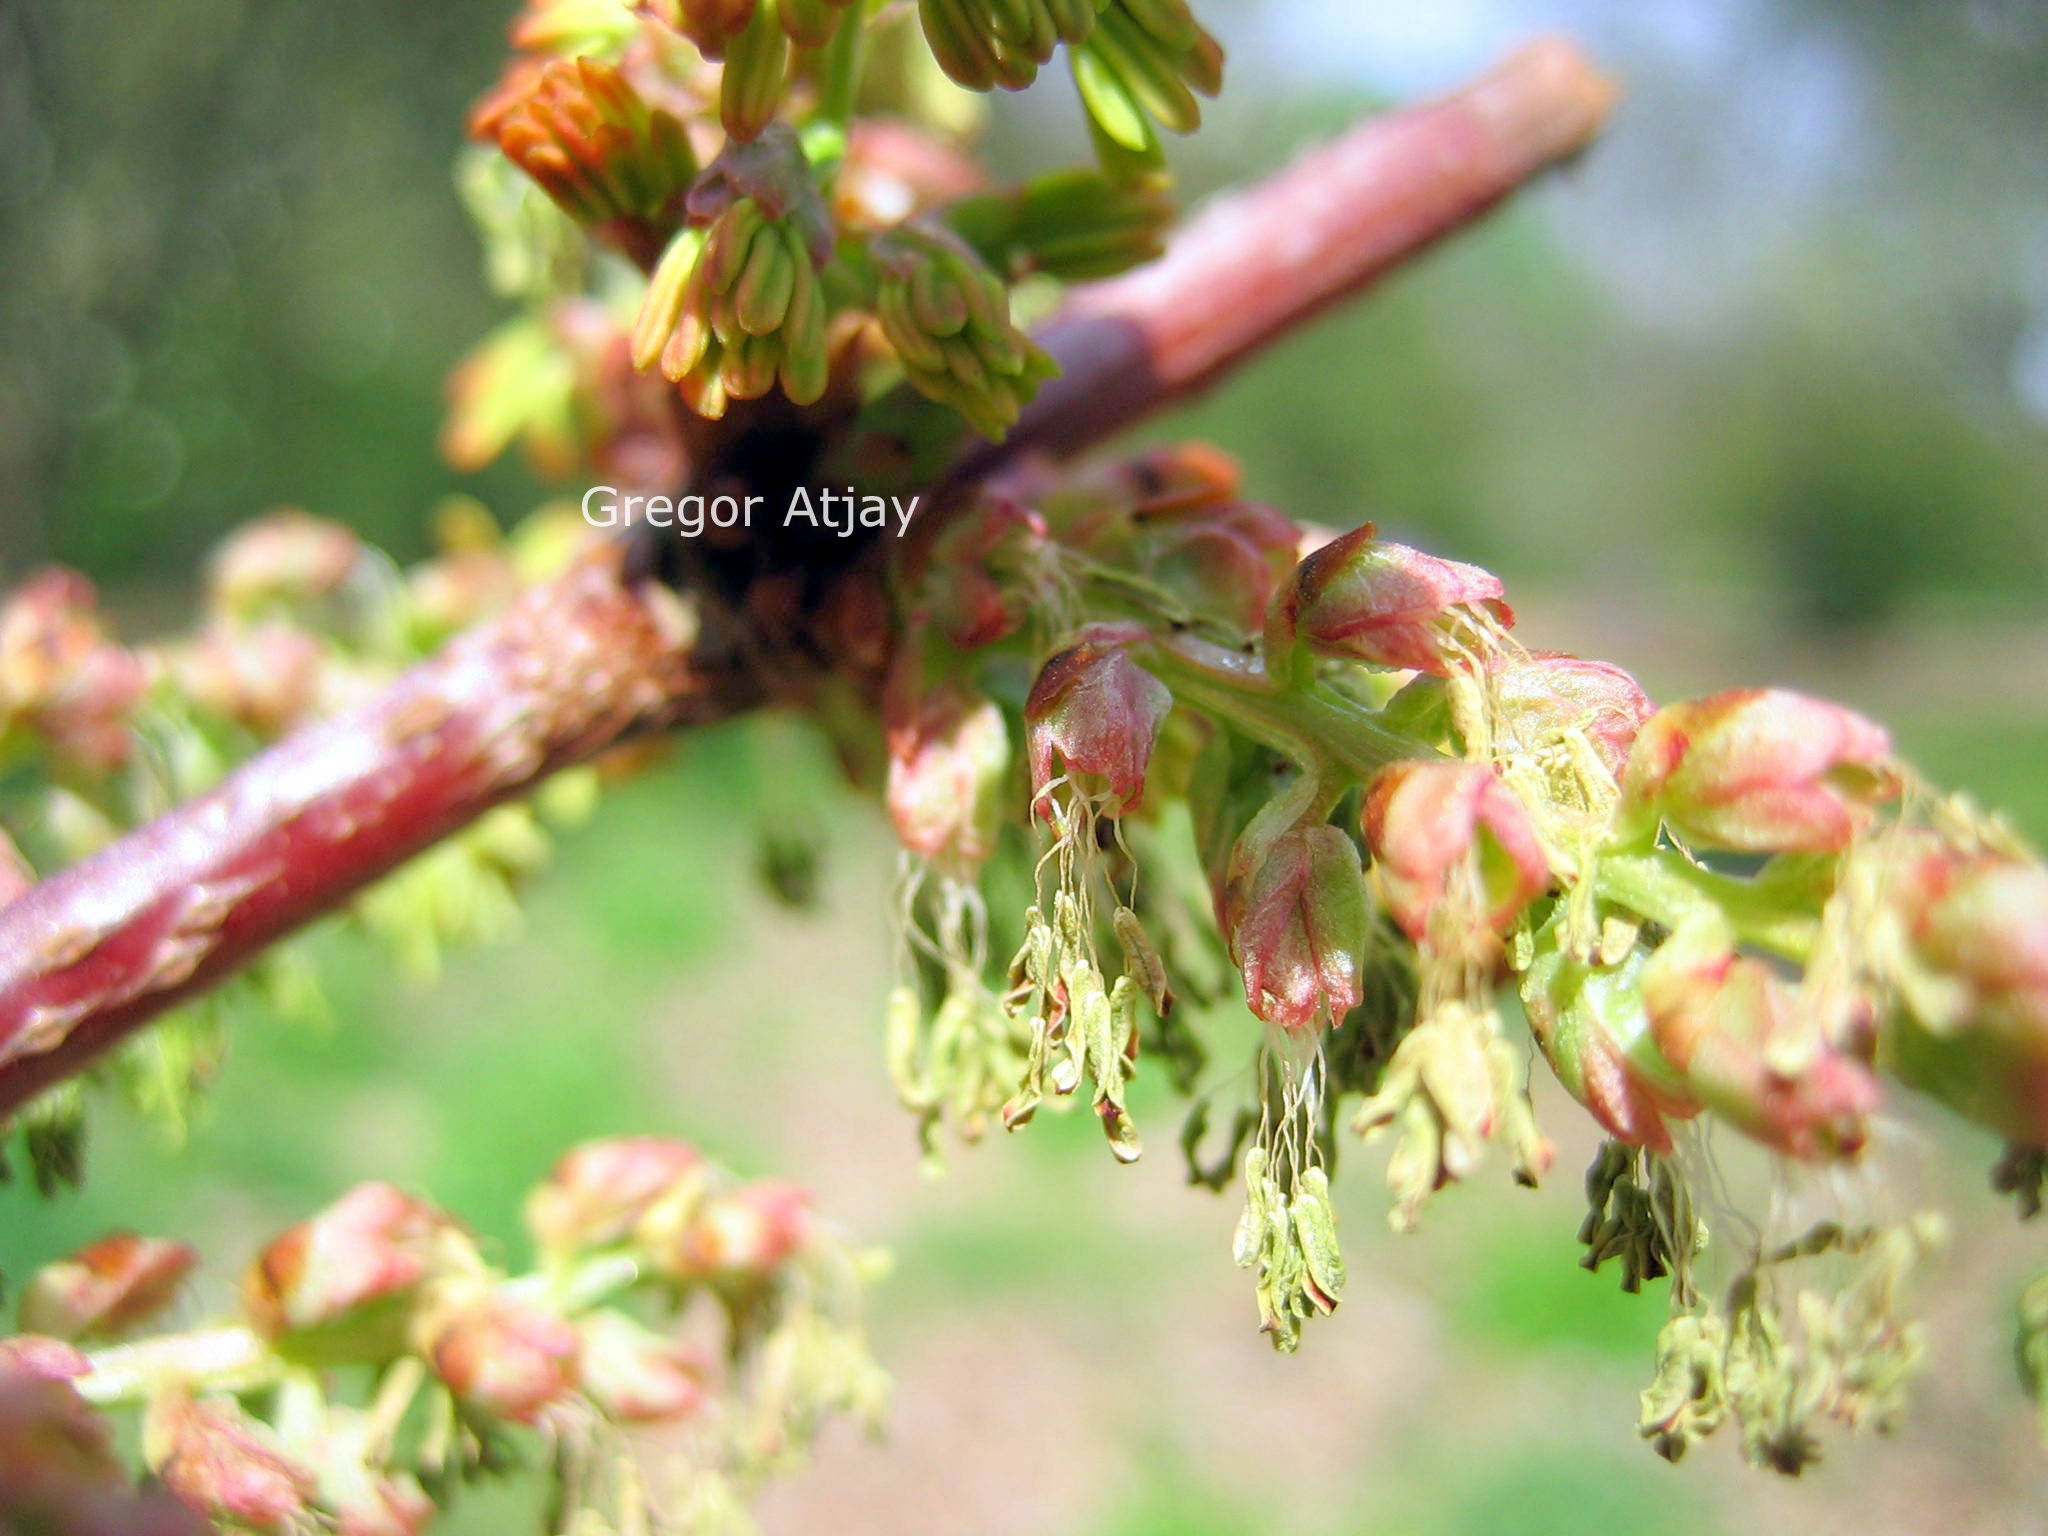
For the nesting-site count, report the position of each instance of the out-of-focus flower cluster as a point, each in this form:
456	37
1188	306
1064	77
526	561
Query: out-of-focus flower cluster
664	1293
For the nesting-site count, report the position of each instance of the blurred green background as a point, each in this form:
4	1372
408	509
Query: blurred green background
1756	392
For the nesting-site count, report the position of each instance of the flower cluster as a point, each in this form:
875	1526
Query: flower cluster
252	1424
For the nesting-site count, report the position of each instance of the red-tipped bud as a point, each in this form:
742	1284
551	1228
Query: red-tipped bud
1734	1031
1100	712
346	1280
949	759
1591	1025
29	1354
1298	921
61	677
1224	558
744	1233
225	1465
635	1376
1360	598
1452	847
1545	696
287	558
1973	983
710	24
601	1190
1761	770
106	1289
504	1356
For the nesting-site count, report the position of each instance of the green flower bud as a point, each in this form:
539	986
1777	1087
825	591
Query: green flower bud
948	317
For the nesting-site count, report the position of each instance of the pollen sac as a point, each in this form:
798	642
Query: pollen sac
589	140
1077	226
1099	712
1145	63
1362	598
105	1290
1752	1052
1453	850
1298	926
947	317
1966	951
1760	770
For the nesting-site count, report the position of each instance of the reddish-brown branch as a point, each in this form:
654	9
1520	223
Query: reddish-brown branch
574	666
100	949
1253	266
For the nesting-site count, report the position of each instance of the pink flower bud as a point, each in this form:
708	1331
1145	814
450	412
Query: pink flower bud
1733	1030
949	756
61	677
1545	695
107	1289
225	1465
29	1354
1099	711
1974	985
59	1475
1590	1024
285	557
1452	838
1298	921
347	1279
746	1232
1359	598
601	1190
1225	559
1761	770
636	1376
505	1357
264	678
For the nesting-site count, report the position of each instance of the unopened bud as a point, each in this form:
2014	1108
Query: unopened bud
345	1281
1590	1023
106	1289
61	679
29	1354
636	1376
1970	966
599	1192
1077	226
504	1356
1361	598
1736	1033
264	678
282	558
1452	849
1098	711
225	1465
1299	921
1760	770
746	1232
949	759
